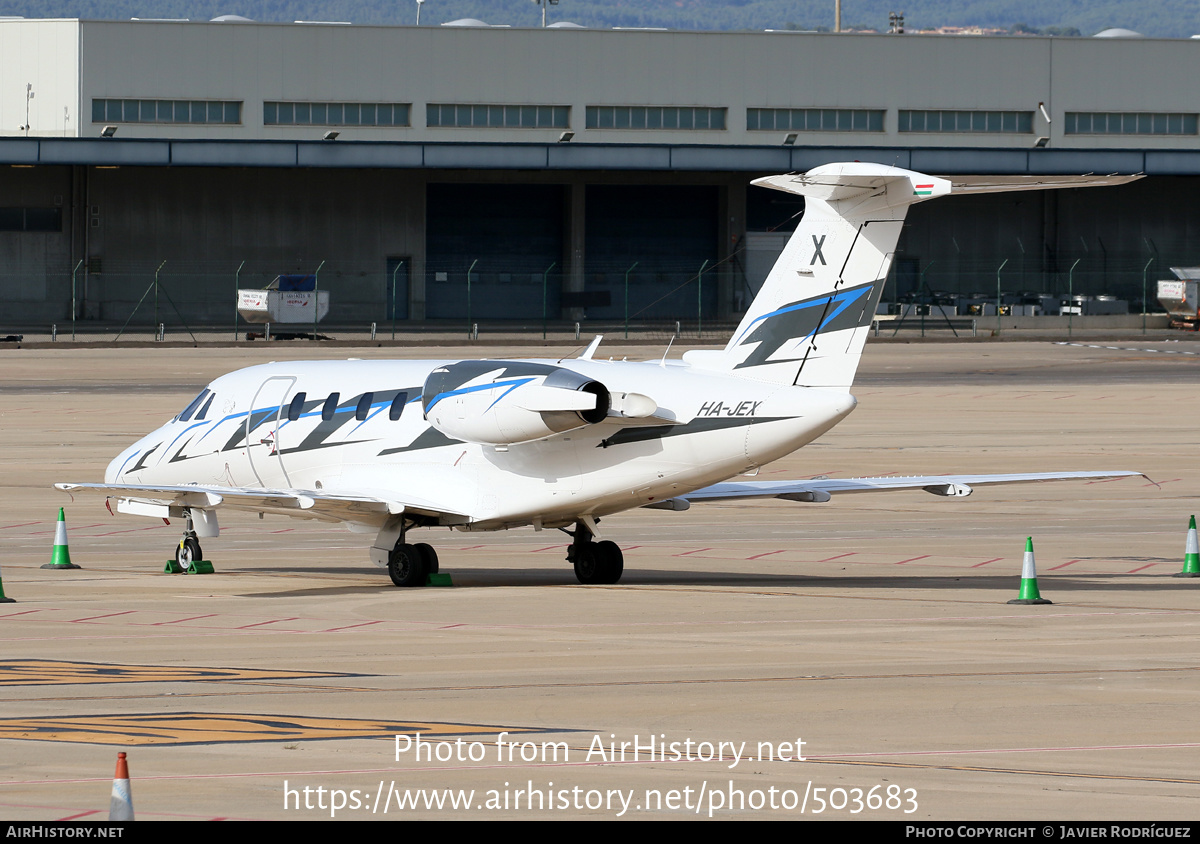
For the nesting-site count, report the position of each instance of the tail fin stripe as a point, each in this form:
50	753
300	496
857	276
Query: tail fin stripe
844	299
788	327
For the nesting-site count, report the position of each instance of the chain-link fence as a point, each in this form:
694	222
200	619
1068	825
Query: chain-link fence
648	297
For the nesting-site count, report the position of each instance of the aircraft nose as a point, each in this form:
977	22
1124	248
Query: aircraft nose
114	467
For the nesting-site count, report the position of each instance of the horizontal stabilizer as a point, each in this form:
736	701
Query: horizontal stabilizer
1003	184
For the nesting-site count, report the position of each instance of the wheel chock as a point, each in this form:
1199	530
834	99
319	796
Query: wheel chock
198	567
439	579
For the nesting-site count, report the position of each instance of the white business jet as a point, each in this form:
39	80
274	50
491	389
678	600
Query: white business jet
481	445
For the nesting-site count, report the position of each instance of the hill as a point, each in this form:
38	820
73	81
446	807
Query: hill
1165	18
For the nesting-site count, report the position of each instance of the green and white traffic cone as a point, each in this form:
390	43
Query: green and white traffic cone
1191	553
4	600
61	558
1029	589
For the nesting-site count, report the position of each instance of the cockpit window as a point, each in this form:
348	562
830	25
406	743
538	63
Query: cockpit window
191	408
204	410
330	406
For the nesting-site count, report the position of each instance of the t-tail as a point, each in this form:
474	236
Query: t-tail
808	323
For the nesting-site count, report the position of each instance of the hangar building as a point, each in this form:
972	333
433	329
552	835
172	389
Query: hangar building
451	172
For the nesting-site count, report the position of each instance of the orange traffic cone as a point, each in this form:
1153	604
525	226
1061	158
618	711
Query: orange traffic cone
121	808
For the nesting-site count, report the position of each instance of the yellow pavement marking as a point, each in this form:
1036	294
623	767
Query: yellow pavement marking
154	728
51	672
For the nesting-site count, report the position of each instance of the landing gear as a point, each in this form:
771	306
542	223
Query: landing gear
430	556
595	562
188	550
407	565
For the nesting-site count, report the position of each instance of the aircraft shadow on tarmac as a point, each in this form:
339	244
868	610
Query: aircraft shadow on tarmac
468	578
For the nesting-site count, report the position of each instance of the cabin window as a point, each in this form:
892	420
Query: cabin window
397	406
330	406
296	407
364	406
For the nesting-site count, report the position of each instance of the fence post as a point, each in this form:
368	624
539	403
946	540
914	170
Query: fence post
74	307
700	300
545	278
998	296
316	297
627	272
398	266
237	283
1071	294
1144	269
473	263
156	272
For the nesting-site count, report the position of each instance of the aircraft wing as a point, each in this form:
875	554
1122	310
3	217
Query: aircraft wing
822	489
308	504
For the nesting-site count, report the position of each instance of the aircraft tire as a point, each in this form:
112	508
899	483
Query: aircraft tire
613	561
406	566
588	564
599	563
430	556
187	552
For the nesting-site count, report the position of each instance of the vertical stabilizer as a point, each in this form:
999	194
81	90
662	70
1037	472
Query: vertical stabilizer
808	324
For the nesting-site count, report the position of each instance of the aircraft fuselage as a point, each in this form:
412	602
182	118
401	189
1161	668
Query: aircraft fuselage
361	425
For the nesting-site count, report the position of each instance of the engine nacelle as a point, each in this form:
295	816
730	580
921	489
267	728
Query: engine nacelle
508	402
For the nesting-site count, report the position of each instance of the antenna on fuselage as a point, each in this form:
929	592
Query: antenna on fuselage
667	351
591	349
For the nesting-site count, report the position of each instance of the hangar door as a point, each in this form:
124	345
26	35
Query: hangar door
669	231
511	233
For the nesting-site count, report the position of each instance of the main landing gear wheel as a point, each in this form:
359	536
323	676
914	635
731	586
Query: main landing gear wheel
598	562
430	556
187	552
407	565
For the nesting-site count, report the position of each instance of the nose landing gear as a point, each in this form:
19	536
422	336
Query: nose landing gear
188	552
189	558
